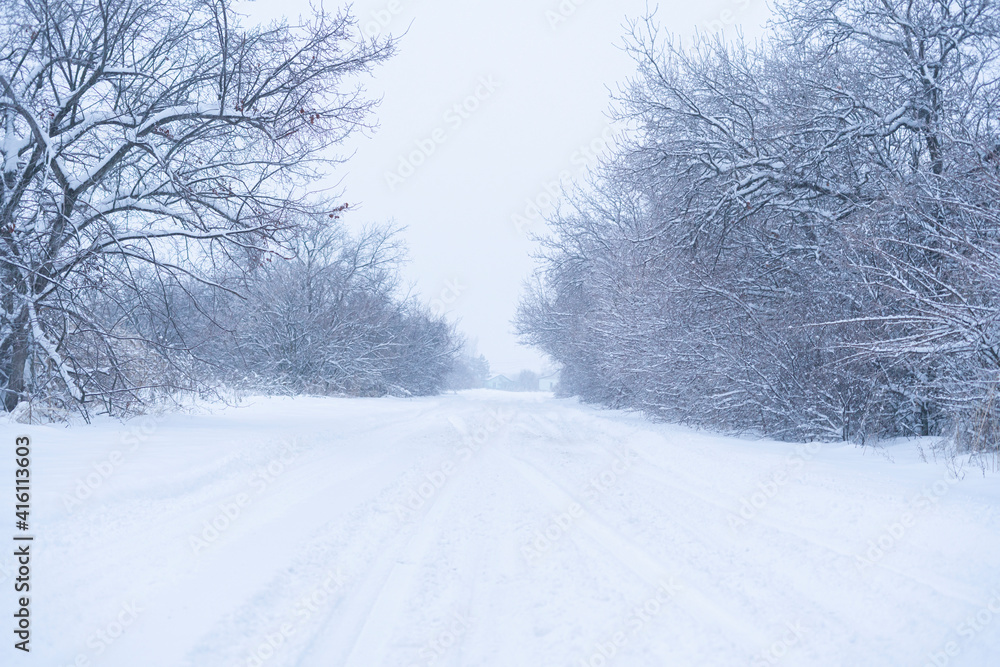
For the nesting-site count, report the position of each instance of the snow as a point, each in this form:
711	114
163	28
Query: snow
492	528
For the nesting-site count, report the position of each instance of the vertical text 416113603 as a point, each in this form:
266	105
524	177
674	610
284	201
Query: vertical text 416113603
22	542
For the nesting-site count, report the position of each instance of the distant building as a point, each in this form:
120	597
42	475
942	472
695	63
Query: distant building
501	382
548	382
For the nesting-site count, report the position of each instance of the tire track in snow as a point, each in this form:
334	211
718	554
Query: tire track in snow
364	624
941	585
810	599
636	559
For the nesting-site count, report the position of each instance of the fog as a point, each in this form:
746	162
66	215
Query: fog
483	110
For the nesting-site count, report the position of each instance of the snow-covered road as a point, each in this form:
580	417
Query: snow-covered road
490	528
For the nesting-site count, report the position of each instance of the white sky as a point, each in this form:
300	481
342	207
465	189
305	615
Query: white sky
541	69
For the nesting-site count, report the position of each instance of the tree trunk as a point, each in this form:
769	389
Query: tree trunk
14	390
924	419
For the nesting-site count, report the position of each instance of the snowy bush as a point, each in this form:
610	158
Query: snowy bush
143	145
797	238
331	319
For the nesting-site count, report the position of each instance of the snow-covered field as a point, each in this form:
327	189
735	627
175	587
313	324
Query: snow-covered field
489	528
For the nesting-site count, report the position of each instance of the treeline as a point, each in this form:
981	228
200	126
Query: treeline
157	231
797	237
329	319
324	315
332	319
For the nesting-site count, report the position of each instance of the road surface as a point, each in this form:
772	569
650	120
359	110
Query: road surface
492	528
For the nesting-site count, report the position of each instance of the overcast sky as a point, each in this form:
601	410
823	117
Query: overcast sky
485	105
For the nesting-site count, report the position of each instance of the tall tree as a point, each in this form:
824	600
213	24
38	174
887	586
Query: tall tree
800	236
146	141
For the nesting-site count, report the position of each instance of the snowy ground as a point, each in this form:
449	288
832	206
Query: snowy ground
488	528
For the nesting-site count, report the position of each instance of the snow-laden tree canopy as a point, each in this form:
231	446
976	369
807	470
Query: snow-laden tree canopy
142	142
800	237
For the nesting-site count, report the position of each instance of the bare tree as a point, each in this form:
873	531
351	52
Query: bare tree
800	236
331	319
146	142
